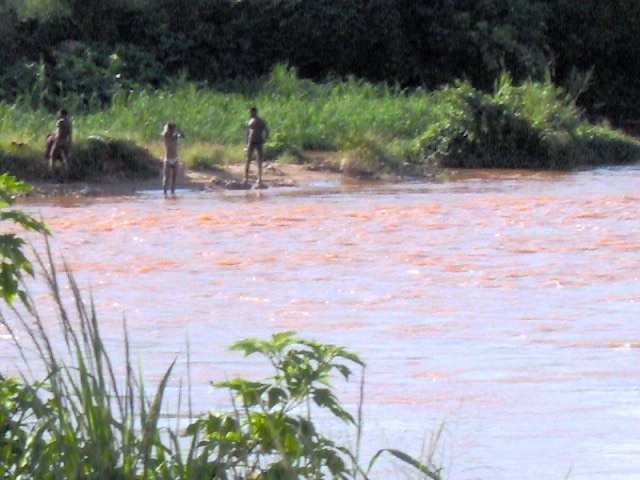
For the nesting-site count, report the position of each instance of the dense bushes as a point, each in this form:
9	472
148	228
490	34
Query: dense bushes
482	133
85	77
14	265
599	37
534	125
121	45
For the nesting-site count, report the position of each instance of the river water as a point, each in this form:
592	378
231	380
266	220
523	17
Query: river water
501	306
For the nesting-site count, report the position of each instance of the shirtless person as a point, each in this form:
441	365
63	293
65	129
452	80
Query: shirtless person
170	135
61	143
257	133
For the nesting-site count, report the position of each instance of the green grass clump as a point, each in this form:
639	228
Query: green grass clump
207	156
531	126
82	420
367	157
96	157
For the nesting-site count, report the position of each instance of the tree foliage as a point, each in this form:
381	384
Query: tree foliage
406	42
602	38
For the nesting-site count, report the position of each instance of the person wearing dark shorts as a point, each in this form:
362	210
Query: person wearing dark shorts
257	134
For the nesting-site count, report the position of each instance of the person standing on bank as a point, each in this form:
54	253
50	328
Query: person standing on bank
170	135
61	142
257	134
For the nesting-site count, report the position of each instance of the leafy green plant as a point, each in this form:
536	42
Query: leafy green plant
19	409
14	262
268	436
271	434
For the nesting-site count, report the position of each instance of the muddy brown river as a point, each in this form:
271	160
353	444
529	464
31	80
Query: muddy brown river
504	306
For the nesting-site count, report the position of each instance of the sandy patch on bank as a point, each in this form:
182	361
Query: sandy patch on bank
275	175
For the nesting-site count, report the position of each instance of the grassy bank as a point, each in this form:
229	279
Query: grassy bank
377	128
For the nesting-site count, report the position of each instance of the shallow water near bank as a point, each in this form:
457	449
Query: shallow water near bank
504	304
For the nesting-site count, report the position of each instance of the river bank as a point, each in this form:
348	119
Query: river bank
275	175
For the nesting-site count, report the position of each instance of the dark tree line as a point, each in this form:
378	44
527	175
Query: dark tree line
94	48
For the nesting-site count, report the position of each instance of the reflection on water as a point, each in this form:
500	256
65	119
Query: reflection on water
502	303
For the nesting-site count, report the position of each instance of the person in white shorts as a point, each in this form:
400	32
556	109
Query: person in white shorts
170	136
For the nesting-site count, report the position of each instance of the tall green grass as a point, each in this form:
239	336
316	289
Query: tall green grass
379	128
301	115
82	420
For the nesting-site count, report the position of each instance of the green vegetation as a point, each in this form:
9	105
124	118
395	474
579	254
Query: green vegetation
271	433
534	125
14	264
80	53
87	419
378	81
93	158
98	156
377	128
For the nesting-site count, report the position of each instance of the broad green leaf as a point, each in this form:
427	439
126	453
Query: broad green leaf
25	220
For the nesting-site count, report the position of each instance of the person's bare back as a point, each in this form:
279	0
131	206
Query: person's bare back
257	128
257	134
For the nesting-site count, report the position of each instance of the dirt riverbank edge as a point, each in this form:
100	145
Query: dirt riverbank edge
230	177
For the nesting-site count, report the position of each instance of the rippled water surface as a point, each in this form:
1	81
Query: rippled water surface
504	305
